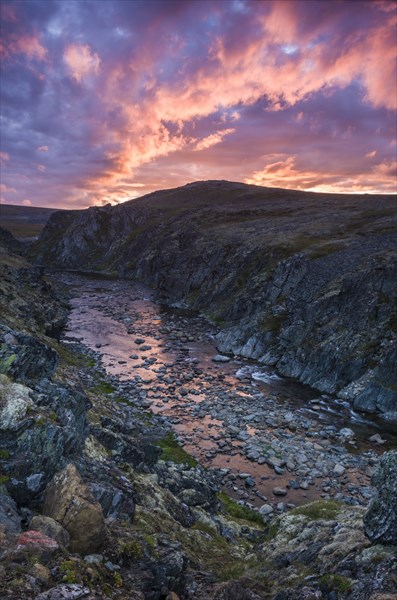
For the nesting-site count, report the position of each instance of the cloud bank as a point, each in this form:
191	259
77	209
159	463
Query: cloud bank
107	100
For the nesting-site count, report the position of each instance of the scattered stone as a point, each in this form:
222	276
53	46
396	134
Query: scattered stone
279	491
221	358
347	433
266	509
377	439
338	470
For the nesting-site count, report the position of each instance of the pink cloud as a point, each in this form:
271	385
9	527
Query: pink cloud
5	189
81	62
29	45
42	148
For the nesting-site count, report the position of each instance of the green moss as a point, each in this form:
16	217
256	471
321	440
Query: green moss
53	416
337	583
103	387
239	512
71	357
117	579
6	363
322	509
151	543
4	479
4	454
172	451
70	571
131	549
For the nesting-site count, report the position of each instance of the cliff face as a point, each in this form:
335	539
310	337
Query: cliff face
304	282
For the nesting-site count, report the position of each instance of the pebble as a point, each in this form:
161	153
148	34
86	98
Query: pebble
266	509
338	470
279	491
220	358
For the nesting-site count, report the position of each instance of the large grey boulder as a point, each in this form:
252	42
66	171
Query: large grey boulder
380	520
69	501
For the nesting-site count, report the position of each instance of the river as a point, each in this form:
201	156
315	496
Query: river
276	440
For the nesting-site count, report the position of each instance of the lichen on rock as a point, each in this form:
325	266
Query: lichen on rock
380	521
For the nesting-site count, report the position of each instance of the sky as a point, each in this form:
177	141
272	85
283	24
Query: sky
104	101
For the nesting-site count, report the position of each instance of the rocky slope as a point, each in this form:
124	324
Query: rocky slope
300	281
88	508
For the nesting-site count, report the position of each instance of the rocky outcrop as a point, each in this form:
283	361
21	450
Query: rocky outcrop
380	521
40	430
10	521
23	357
69	501
303	282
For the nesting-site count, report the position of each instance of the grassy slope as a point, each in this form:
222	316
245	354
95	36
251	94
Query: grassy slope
24	221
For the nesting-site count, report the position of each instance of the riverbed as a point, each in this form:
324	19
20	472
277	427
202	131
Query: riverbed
278	443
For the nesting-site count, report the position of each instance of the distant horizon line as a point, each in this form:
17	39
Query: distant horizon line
102	204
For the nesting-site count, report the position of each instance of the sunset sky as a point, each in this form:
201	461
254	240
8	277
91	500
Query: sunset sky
103	101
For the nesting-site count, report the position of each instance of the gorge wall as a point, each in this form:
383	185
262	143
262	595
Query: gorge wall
304	282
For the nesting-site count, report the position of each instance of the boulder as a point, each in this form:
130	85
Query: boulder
10	520
14	404
69	501
380	520
34	543
50	528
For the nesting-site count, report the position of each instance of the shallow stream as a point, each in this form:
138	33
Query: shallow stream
266	431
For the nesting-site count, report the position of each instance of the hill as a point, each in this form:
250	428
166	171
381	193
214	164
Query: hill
24	221
302	281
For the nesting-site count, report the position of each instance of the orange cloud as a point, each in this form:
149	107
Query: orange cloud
213	139
285	173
